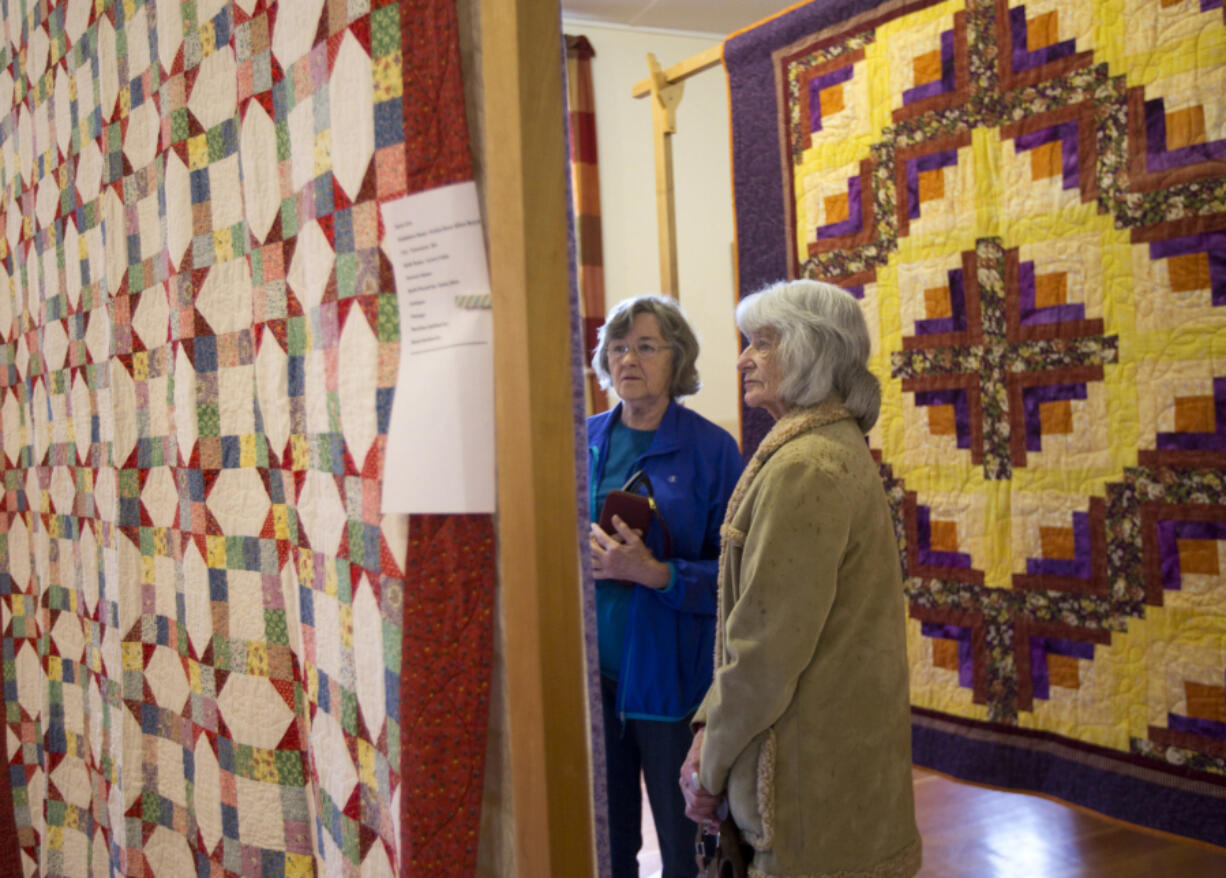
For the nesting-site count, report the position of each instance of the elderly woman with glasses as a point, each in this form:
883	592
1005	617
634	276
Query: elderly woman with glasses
806	730
655	594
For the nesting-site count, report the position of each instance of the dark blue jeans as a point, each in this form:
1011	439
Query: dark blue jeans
657	749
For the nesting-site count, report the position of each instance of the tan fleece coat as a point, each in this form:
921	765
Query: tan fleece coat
808	727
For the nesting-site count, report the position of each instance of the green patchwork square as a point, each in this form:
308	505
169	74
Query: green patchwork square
296	334
282	127
289	217
208	419
275	628
55	811
179	125
129	483
349	711
289	768
385	30
346	275
154	809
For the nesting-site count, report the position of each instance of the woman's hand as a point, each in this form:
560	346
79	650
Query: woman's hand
700	804
625	556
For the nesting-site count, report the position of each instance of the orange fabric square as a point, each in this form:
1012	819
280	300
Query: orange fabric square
1198	557
927	67
942	420
937	304
831	99
1047	160
1042	31
1206	702
1167	4
1185	127
1189	272
931	184
1194	414
586	189
945	653
1051	289
1058	543
1056	417
943	536
837	209
1062	671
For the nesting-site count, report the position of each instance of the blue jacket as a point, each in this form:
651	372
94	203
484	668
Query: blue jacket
670	635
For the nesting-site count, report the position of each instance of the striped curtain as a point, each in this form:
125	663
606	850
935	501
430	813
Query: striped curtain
585	186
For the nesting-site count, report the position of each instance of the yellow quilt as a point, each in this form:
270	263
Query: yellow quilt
1028	198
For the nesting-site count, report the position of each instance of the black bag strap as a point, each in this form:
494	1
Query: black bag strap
641	478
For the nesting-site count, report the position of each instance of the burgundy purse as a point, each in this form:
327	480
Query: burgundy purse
635	509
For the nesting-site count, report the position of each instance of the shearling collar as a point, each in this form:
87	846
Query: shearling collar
796	422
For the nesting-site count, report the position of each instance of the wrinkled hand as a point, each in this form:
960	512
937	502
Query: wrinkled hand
701	805
624	555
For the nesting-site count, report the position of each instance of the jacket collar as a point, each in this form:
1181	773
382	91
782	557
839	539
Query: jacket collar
796	422
667	436
799	421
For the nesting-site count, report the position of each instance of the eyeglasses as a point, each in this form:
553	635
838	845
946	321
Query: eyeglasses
644	349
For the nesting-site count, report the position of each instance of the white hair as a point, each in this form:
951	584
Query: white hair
823	344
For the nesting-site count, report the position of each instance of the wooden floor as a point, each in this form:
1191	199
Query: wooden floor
976	832
986	833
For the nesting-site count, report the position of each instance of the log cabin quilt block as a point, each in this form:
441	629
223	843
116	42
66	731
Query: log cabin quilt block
1028	198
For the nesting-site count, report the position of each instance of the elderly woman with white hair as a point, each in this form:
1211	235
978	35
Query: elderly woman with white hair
805	731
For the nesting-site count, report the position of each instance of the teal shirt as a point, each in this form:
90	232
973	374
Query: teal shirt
626	446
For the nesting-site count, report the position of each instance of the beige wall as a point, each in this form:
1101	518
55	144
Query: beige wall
703	195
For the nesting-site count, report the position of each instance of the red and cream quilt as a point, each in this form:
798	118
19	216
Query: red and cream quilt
215	659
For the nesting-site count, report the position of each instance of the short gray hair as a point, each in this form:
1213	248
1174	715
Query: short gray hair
823	344
673	327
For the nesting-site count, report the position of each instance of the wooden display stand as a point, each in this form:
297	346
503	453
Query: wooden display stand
538	551
539	583
665	88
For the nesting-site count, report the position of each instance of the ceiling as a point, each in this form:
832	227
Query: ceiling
717	17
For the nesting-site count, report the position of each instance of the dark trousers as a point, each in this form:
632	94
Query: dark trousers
657	749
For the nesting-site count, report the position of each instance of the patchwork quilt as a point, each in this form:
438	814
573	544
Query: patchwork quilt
218	657
1028	198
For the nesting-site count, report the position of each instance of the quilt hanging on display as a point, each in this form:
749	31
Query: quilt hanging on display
1028	198
216	658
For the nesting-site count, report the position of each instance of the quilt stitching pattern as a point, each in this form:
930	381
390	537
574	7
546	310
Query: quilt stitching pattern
203	609
1030	206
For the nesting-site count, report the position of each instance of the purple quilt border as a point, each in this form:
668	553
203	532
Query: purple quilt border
761	236
1135	790
762	239
600	793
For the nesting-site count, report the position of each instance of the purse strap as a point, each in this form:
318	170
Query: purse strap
729	859
641	478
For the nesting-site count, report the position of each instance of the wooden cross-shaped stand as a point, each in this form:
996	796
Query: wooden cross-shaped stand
665	88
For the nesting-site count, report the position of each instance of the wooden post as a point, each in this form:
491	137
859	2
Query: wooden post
665	88
525	174
704	60
664	100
